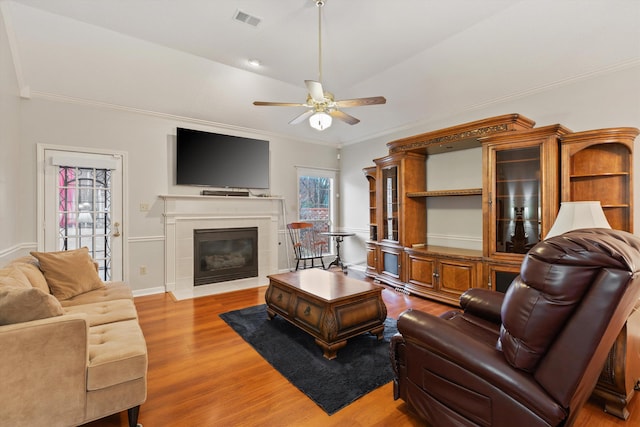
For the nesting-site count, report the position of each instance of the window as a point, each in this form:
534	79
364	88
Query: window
316	195
84	211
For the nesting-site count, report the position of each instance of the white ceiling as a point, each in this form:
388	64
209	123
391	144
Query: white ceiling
430	58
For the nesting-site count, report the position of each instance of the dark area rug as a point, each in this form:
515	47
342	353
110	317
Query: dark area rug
361	367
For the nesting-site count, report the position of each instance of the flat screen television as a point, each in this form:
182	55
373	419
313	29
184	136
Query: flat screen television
223	161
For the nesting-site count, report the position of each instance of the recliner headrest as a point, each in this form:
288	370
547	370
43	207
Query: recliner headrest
554	277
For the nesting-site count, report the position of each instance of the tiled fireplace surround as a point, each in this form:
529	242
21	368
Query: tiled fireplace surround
183	214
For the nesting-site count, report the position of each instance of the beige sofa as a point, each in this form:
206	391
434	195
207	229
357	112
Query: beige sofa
72	348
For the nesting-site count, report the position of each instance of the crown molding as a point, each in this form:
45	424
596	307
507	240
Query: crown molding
49	96
411	127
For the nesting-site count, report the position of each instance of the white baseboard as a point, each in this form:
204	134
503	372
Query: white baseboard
148	291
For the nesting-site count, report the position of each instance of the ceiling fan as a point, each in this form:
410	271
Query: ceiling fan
322	106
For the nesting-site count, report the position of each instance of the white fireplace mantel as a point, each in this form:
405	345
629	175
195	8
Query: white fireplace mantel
185	213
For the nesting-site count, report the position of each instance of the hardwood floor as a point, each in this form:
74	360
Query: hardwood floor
201	373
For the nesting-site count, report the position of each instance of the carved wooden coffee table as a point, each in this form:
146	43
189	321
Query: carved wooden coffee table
329	306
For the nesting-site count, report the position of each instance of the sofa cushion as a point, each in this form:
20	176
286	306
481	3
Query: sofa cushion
19	305
101	313
111	291
69	273
14	277
117	354
33	274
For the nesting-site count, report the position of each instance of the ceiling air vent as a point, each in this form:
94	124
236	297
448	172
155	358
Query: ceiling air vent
246	18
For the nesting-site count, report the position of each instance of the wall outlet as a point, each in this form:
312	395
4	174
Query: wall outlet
143	270
144	207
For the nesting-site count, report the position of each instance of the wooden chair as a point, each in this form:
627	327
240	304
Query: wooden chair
306	243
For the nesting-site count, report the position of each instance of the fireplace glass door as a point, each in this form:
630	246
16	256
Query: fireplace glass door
225	254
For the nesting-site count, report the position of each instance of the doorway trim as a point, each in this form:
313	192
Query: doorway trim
41	150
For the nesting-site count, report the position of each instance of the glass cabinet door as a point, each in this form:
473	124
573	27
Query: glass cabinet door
370	174
390	203
517	198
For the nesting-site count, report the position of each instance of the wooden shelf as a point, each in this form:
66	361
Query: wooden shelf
517	195
597	175
446	193
507	181
445	251
517	161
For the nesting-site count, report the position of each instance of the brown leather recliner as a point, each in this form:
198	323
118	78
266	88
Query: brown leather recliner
529	357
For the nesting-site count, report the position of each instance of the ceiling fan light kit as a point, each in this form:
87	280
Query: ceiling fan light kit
322	105
320	120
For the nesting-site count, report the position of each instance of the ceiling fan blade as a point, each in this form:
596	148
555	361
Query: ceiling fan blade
315	90
301	117
358	102
344	117
279	104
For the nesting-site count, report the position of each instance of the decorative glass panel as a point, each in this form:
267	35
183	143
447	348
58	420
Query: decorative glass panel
84	212
518	199
390	204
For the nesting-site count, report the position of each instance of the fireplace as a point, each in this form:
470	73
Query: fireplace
224	254
182	214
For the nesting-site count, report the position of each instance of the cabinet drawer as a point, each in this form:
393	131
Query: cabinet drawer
280	298
308	313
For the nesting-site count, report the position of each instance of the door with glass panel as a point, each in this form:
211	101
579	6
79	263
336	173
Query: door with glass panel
316	194
521	190
390	204
82	207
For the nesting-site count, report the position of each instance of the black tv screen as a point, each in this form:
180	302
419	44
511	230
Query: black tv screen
225	161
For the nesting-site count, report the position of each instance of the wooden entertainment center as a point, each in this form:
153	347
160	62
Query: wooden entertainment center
526	173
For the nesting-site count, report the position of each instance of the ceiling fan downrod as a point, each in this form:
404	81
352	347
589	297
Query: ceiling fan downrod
322	106
319	4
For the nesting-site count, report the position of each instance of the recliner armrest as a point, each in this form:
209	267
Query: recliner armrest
476	364
483	303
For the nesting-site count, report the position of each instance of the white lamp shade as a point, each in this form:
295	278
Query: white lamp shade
320	120
576	215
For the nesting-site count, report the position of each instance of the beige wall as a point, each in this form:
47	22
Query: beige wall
147	138
596	101
10	167
149	143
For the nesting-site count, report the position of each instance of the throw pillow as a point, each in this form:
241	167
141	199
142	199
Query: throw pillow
34	275
25	304
13	276
69	273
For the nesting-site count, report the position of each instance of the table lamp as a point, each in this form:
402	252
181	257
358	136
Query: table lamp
575	215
